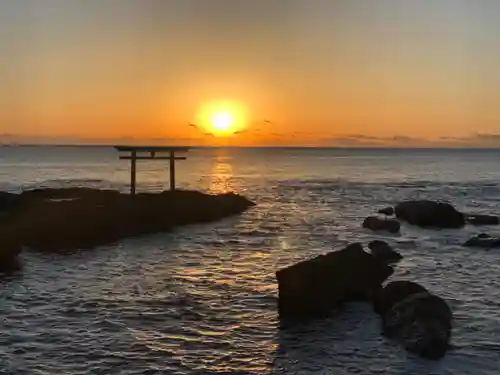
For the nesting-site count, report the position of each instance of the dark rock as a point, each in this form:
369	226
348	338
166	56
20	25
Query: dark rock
316	287
483	240
419	320
382	251
430	214
376	224
8	202
67	219
389	211
422	324
9	261
483	220
394	292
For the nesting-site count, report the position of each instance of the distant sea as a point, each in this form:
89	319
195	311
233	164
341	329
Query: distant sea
202	299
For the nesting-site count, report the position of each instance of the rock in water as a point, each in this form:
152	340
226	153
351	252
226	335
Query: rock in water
8	202
394	292
483	240
382	251
419	320
376	224
389	211
315	287
9	261
483	220
430	214
61	220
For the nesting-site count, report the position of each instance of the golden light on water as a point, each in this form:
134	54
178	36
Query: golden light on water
222	176
222	118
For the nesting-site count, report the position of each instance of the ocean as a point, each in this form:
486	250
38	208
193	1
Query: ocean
202	299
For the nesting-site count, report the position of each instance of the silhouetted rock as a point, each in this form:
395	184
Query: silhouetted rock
315	287
394	292
57	220
376	224
9	260
483	240
389	211
8	202
419	320
430	214
382	251
483	220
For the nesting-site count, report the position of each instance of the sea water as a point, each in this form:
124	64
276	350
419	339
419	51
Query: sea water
202	299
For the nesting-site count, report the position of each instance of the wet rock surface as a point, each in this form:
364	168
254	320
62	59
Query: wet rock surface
389	211
377	224
484	241
430	214
416	318
316	287
9	261
383	252
60	220
482	220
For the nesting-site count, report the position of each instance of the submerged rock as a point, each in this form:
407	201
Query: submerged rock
389	211
382	251
376	224
430	214
483	240
315	287
419	320
483	220
67	219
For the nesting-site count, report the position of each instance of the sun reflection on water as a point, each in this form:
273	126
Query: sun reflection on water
221	180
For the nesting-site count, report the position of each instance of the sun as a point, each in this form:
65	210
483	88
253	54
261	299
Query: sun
222	121
222	118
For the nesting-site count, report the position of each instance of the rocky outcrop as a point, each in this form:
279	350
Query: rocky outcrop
394	292
429	214
8	202
483	240
383	252
59	220
376	224
315	287
9	260
389	211
419	320
482	220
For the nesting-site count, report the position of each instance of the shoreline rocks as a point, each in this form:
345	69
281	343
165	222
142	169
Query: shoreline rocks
417	319
479	220
316	287
60	220
383	252
9	261
430	214
376	224
388	211
483	240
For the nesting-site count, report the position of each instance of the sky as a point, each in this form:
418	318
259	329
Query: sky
306	72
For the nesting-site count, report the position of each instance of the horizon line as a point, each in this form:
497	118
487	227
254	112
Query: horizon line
382	147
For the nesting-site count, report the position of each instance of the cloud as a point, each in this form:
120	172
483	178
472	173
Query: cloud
477	140
361	140
48	140
487	137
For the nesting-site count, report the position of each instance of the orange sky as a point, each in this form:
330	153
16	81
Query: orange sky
318	70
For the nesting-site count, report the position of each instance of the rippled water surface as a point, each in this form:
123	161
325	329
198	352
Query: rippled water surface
202	300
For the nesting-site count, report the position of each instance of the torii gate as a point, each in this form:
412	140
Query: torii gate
150	153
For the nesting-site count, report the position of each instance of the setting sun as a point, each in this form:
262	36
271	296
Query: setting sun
222	121
222	118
